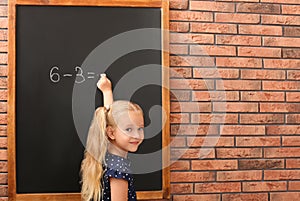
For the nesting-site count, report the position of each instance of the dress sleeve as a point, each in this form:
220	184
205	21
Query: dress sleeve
112	173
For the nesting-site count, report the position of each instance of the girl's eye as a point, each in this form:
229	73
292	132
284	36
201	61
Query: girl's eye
141	129
128	129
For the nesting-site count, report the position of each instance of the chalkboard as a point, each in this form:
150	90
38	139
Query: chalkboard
60	53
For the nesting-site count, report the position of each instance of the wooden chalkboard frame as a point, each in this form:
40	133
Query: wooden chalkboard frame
142	195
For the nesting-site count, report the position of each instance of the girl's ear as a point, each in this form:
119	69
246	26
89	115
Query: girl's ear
110	132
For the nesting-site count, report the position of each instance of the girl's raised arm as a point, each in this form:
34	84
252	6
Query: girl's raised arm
104	84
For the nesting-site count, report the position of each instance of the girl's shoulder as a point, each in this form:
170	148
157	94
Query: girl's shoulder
117	167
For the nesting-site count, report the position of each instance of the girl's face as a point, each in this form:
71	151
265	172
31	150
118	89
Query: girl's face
129	132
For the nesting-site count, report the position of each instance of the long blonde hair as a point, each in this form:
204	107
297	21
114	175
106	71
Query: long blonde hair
96	147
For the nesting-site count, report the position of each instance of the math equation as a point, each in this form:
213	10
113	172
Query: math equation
80	76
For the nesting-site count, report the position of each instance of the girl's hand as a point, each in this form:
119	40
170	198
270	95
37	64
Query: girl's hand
104	84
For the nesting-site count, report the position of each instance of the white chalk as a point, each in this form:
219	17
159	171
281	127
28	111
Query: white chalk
103	75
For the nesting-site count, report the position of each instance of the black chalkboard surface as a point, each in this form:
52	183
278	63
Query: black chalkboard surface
52	44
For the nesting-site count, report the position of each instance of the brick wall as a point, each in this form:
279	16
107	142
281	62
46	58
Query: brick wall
254	46
3	99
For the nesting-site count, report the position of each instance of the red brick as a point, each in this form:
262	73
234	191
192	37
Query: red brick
281	85
292	31
3	155
219	187
290	9
215	118
264	186
3	191
213	28
238	85
3	46
3	35
282	1
3	23
257	141
191	38
215	73
191	61
192	176
204	197
281	174
240	0
235	107
242	130
293	163
179	49
3	178
294	185
178	72
194	130
179	118
180	165
3	58
292	53
181	188
279	107
3	166
239	175
239	152
237	18
211	6
292	96
215	95
259	52
238	40
291	141
258	8
178	95
262	74
3	142
3	70
281	41
191	84
281	152
254	164
280	63
179	26
260	30
178	142
190	107
280	19
179	4
214	164
3	118
3	130
283	196
261	118
261	96
244	197
293	118
3	106
238	62
213	50
191	16
283	130
210	141
192	153
3	11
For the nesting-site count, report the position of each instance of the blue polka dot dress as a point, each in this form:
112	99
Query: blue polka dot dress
117	167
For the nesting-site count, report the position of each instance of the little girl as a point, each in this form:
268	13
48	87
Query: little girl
116	129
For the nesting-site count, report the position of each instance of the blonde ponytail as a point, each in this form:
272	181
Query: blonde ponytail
94	157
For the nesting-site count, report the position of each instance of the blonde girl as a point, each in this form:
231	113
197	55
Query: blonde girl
116	129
